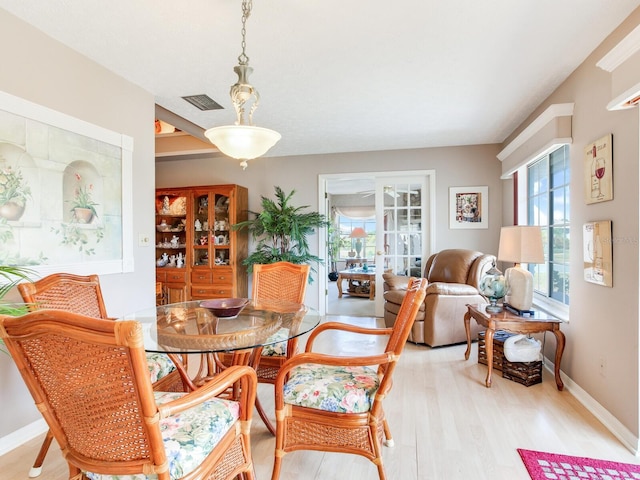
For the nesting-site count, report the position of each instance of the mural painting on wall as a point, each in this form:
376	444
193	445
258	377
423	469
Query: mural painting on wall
61	189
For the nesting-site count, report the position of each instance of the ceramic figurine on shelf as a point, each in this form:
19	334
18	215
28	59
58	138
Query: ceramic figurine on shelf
175	241
180	260
166	206
172	261
197	225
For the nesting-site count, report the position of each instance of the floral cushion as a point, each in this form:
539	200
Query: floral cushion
333	389
160	365
276	349
188	436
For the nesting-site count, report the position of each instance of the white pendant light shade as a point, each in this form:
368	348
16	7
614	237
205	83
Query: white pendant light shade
243	142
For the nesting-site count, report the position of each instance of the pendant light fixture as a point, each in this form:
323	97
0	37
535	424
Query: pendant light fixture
243	141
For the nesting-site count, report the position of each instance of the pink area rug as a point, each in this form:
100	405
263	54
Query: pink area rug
549	466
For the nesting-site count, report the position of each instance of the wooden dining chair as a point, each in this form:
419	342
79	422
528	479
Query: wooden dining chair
83	295
334	403
89	379
277	281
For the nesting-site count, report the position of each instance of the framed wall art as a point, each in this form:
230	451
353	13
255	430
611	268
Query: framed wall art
597	253
598	170
65	192
468	207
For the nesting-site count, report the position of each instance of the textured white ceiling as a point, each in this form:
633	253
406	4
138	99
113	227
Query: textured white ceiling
344	75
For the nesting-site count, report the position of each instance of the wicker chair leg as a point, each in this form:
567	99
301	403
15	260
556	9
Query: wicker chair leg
264	417
388	439
277	463
36	469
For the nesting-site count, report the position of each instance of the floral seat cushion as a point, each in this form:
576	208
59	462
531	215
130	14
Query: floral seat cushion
333	389
278	349
188	436
160	365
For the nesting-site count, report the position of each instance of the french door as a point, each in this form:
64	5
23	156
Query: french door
403	230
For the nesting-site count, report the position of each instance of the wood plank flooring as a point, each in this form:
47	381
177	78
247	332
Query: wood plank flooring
446	425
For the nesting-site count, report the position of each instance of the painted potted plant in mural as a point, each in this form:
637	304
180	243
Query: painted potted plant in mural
14	193
82	204
282	231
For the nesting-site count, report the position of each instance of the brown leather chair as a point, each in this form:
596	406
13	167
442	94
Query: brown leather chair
453	276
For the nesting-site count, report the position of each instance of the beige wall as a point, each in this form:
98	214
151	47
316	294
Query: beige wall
603	321
38	69
454	166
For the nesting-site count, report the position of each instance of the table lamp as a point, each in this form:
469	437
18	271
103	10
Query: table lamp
520	244
358	233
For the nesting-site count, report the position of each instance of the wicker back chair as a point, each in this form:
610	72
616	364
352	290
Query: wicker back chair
355	422
282	281
83	295
89	379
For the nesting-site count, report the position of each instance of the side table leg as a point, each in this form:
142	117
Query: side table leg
488	346
339	286
560	339
467	328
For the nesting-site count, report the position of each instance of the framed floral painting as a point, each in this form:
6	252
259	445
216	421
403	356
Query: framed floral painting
65	192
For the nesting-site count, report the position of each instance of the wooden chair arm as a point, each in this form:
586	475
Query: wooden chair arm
243	374
345	327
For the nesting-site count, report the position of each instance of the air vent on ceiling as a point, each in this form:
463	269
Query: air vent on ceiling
203	102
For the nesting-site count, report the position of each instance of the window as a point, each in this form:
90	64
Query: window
346	226
548	206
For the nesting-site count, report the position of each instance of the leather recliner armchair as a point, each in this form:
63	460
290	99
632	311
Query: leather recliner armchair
454	276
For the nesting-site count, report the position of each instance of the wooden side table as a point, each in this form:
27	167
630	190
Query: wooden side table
540	322
360	276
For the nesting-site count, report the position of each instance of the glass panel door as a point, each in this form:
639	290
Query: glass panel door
401	225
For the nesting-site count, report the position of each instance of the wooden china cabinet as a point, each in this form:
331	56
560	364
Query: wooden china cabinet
198	255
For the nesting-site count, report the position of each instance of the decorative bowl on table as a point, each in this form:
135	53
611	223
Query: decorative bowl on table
225	307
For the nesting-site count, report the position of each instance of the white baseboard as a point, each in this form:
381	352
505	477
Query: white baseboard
611	423
22	435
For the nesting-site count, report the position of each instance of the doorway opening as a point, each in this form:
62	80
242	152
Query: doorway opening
371	214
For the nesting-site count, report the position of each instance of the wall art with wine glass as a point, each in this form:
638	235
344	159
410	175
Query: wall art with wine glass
597	252
65	192
598	170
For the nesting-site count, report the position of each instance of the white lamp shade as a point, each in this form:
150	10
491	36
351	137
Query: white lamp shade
243	142
521	244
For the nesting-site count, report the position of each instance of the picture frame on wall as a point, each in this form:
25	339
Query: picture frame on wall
598	170
597	253
469	207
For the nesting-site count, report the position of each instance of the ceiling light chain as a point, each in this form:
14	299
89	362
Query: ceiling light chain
243	59
243	140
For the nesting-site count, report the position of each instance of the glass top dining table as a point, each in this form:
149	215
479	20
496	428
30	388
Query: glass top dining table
188	327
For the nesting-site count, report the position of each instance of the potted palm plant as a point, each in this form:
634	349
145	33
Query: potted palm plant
281	231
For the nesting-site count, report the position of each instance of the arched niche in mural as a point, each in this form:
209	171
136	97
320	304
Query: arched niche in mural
82	192
18	184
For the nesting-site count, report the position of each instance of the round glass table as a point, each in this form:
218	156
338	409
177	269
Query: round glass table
188	328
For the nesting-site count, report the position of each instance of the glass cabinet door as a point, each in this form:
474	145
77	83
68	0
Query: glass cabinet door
201	227
220	232
171	236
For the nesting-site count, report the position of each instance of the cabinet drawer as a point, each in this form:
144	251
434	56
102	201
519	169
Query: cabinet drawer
223	275
176	277
201	276
211	291
161	276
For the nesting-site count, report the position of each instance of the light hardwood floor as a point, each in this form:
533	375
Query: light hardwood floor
446	425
